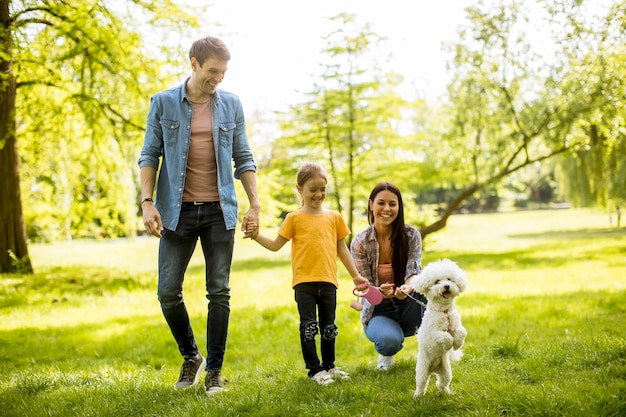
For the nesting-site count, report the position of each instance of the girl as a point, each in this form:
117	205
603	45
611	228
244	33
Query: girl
388	253
317	236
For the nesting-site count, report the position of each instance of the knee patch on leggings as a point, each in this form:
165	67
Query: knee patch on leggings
309	330
330	331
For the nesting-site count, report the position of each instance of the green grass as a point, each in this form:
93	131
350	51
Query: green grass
545	312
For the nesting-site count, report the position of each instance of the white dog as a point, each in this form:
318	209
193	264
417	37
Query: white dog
441	335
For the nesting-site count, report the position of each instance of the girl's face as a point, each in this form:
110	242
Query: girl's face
313	192
385	208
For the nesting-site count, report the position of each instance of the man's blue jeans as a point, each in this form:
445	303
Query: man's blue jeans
205	222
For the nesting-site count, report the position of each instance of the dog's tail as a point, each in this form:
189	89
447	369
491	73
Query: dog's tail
456	355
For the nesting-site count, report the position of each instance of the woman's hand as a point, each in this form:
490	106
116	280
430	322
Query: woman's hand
402	292
387	290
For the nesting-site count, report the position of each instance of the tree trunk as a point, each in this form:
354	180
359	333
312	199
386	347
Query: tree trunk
12	228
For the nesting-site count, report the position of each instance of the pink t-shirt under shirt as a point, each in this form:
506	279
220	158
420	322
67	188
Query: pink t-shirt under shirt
201	176
385	274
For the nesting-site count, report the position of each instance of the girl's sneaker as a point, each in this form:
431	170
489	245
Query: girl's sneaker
323	378
337	373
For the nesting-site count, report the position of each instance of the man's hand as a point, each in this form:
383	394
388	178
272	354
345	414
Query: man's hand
152	219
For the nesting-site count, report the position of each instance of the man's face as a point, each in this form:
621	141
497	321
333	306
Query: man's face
208	76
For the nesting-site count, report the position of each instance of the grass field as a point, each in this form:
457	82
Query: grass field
545	312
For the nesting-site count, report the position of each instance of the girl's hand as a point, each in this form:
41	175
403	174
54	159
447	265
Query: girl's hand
251	231
360	281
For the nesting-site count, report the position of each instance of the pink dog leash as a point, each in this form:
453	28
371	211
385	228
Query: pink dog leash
370	293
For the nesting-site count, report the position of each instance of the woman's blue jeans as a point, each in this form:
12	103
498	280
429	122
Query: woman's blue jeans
393	320
204	222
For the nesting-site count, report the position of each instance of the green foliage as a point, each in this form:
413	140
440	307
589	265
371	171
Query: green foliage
20	265
85	335
84	71
349	123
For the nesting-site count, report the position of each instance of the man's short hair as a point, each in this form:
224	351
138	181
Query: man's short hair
209	47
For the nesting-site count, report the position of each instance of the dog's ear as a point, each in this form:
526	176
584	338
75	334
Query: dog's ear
456	274
461	280
420	283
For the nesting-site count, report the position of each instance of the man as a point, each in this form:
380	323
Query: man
197	130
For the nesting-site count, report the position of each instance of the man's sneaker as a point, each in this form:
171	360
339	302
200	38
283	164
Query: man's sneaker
323	378
213	382
190	371
337	373
384	362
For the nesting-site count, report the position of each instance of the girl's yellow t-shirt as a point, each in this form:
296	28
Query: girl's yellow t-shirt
314	245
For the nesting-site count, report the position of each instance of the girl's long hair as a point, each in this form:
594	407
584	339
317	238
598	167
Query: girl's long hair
399	238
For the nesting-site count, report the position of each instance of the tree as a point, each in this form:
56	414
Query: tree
594	172
80	74
348	120
510	108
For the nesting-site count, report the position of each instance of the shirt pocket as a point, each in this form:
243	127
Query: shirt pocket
170	130
227	133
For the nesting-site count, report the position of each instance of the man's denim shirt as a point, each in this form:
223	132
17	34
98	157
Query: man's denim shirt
168	133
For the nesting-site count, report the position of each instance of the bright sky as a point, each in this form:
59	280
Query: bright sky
276	44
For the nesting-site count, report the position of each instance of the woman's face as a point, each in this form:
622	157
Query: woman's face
385	208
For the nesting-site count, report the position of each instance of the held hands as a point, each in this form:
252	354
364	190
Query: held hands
250	223
250	231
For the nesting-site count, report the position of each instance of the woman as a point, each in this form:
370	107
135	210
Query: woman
388	253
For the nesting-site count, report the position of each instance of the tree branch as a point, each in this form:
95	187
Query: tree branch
472	188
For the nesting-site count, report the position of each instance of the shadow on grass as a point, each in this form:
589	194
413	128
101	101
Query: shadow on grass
551	254
54	285
252	264
130	363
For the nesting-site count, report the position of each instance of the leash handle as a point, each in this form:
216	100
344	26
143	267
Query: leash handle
370	293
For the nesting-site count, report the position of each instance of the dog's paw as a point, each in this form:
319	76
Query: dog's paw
418	394
447	342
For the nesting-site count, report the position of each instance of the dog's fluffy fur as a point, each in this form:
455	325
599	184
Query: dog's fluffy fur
441	335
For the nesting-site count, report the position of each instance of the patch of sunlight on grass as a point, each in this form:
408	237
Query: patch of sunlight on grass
510	230
136	255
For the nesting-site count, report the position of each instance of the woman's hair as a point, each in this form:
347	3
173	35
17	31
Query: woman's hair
310	170
208	47
399	238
